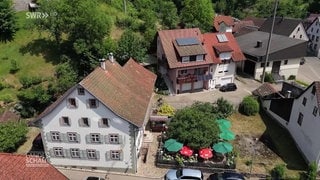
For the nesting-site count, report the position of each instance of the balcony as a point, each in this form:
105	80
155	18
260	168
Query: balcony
192	78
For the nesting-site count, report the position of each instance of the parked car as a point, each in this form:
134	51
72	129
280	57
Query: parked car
176	174
226	176
228	87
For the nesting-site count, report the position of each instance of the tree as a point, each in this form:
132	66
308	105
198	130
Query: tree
222	108
168	14
8	24
198	14
131	45
193	127
249	106
12	134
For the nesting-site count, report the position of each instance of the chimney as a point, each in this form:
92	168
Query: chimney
111	57
288	94
259	44
103	63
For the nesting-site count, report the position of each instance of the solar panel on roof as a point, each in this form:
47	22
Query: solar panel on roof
222	38
187	41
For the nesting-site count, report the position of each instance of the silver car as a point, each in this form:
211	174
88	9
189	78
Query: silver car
176	174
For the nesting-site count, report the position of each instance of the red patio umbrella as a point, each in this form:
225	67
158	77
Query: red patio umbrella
186	151
205	153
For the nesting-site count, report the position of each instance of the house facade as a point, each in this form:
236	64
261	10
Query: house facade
225	52
313	32
193	61
301	117
183	60
284	54
289	27
99	123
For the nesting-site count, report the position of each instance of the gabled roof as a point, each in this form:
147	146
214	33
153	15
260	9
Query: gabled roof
14	166
265	89
168	38
228	20
248	44
211	41
317	19
282	26
124	90
256	21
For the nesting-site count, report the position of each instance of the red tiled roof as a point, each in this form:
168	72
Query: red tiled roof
223	48
211	40
256	21
225	19
239	25
124	90
15	166
264	90
167	38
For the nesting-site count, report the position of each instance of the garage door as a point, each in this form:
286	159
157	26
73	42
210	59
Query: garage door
198	85
225	81
186	87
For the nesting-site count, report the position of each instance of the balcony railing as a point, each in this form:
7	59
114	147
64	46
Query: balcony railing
192	78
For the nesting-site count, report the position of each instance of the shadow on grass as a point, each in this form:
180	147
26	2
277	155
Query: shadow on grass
279	140
45	47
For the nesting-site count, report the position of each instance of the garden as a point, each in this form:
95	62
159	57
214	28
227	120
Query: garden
205	141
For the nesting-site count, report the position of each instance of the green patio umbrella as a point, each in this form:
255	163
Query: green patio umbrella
222	147
172	145
226	124
227	135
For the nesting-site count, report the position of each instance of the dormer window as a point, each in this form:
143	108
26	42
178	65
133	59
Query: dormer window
185	59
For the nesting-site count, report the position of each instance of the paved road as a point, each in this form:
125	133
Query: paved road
310	71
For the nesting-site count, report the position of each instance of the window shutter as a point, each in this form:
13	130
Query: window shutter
108	156
61	121
100	138
83	154
76	103
64	137
100	123
97	155
80	122
120	139
88	103
68	104
89	122
121	155
88	139
97	103
78	138
106	137
66	153
51	153
48	137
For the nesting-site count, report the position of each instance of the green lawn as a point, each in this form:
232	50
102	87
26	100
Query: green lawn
31	50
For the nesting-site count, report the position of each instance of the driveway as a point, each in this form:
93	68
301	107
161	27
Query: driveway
245	87
309	72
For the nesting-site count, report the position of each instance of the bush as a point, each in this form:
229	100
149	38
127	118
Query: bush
292	77
14	67
249	106
222	108
312	171
6	98
28	81
166	110
268	78
12	135
278	172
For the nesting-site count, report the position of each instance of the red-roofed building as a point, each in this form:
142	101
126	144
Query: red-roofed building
99	123
194	61
224	51
223	23
14	166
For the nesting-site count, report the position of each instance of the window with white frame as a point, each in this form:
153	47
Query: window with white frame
81	91
55	136
65	121
114	138
58	151
72	103
84	122
185	59
95	138
75	152
104	122
72	137
92	103
115	155
91	154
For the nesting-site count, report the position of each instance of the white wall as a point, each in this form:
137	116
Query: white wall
307	135
314	31
117	125
299	33
266	106
217	75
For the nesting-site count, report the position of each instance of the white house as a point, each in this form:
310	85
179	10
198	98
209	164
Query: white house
313	32
99	123
225	52
301	117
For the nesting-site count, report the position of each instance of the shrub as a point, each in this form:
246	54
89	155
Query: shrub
2	86
12	135
6	98
28	81
222	108
268	78
312	171
249	106
292	77
278	172
166	110
14	67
